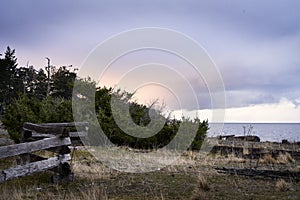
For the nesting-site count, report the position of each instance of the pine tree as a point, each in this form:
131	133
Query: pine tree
40	84
62	83
8	76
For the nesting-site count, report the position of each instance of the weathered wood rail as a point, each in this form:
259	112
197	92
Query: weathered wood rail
54	137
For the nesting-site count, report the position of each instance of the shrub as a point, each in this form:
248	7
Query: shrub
140	115
31	109
49	110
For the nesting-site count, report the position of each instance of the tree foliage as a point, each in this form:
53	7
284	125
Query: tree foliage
16	81
62	83
31	109
24	92
9	81
140	116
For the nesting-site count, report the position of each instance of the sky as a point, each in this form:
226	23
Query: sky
254	44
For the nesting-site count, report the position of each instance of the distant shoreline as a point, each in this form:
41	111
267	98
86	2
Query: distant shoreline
273	132
248	123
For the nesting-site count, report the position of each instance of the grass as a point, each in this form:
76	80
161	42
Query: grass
281	185
191	177
202	183
285	158
267	159
43	192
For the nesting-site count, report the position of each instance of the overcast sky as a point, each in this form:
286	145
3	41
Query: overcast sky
255	44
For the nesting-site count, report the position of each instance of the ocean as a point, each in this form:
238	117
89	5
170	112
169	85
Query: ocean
274	132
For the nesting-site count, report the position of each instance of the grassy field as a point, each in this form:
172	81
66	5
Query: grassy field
191	177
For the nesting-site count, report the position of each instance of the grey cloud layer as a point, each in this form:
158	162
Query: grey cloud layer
255	44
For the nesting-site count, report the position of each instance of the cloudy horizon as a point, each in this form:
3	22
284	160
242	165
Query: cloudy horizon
254	44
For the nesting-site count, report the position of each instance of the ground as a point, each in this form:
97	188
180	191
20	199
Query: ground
192	177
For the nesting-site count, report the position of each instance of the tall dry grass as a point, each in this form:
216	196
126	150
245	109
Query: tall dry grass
281	159
285	158
281	186
52	192
202	186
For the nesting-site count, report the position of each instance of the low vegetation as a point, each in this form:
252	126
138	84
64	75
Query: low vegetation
191	177
281	186
280	159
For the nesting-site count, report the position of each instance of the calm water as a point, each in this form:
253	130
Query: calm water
266	131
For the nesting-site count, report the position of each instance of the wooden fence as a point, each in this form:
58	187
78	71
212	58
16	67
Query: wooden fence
53	137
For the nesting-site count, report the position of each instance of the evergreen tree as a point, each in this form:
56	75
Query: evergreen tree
8	76
62	83
40	84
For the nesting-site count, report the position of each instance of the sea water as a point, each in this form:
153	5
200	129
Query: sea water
274	132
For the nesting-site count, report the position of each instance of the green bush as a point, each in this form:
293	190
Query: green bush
31	109
140	116
50	110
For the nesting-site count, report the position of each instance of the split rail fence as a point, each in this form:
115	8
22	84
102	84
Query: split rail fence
53	137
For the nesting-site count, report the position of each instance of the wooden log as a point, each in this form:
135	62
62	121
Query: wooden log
35	158
17	149
264	173
24	170
71	134
69	124
41	135
78	134
56	130
75	137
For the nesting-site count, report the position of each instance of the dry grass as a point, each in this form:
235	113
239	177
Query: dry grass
233	159
198	195
191	177
191	155
201	187
90	170
285	158
51	192
202	183
267	159
281	186
281	159
96	193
